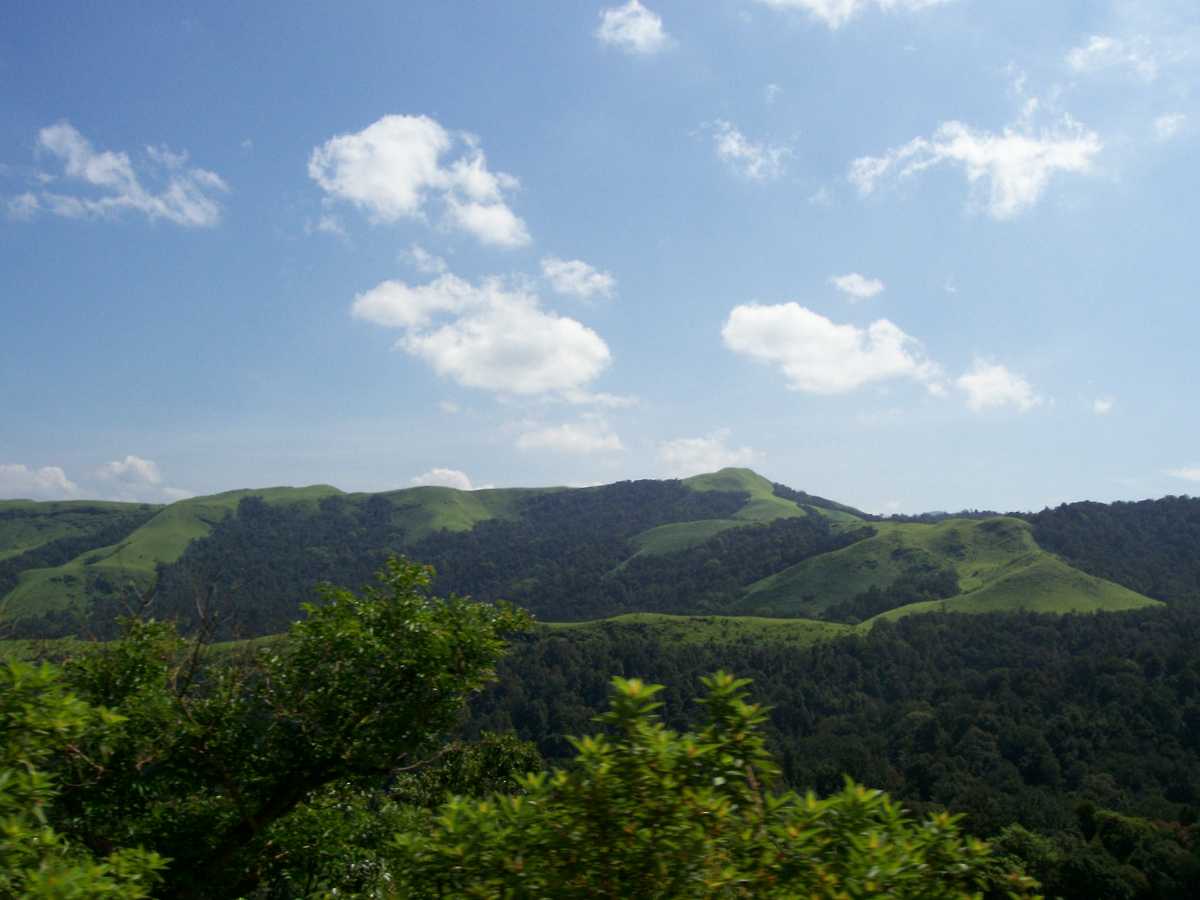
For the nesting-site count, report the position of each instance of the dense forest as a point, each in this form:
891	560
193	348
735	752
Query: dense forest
1045	722
568	556
1149	546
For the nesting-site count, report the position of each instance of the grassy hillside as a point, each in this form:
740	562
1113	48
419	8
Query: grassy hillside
1045	584
681	535
421	511
720	629
764	506
26	524
131	565
999	566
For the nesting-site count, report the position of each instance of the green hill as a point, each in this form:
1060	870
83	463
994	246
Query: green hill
724	544
997	562
28	524
422	511
131	565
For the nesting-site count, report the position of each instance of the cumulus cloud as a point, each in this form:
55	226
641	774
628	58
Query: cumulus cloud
452	478
19	481
632	28
131	470
1102	406
1016	165
756	161
136	479
111	183
575	278
1167	126
992	386
396	167
1103	51
423	261
836	13
857	287
490	336
577	438
819	356
1187	473
692	456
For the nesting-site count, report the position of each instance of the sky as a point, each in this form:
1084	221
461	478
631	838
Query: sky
911	255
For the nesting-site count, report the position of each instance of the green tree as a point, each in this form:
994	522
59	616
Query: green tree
218	755
648	812
40	720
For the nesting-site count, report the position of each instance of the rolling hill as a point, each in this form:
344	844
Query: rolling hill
720	545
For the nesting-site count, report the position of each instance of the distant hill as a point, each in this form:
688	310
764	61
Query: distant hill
728	543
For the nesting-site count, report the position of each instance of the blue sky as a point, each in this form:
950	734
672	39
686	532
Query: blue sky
908	254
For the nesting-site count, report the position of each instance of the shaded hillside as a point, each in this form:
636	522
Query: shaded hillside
1152	546
1012	717
113	571
992	565
565	555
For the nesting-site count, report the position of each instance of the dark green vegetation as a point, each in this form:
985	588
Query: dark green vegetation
1038	728
728	543
1070	741
1150	546
318	764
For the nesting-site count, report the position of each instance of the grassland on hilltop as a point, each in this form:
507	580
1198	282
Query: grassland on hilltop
131	565
998	564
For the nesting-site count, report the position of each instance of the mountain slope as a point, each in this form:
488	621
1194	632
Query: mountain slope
130	566
996	561
721	544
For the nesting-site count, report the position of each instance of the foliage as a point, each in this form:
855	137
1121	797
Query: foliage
214	759
1148	546
648	812
1004	718
40	720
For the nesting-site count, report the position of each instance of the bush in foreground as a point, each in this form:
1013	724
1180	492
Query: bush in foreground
649	812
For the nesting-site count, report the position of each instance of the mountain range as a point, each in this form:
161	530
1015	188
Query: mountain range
725	544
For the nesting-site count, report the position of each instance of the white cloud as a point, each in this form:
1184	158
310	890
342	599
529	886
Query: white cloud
580	438
633	29
23	207
1104	51
857	287
131	470
819	356
1187	473
452	478
135	479
991	385
393	167
771	93
1168	126
755	161
423	261
836	13
449	407
575	278
185	196
591	398
46	483
329	224
1102	406
487	336
692	456
1016	164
